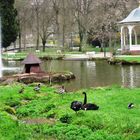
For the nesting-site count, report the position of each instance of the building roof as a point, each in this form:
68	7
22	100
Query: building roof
31	59
133	17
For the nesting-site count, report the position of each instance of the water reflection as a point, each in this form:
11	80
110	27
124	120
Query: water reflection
99	73
130	76
11	67
92	74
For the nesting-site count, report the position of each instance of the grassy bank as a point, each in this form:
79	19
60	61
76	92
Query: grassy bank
125	60
47	115
130	59
50	53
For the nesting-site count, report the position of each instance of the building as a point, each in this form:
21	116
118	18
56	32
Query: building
32	64
130	32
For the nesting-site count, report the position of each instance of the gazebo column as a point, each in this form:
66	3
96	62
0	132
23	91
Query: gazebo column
130	36
122	39
136	39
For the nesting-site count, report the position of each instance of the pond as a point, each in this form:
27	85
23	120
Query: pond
90	73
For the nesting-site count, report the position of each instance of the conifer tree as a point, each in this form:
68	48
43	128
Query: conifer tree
9	22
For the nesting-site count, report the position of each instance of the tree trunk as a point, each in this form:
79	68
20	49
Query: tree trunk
19	41
19	37
80	47
43	43
14	45
64	25
81	41
24	42
104	47
24	37
63	41
37	20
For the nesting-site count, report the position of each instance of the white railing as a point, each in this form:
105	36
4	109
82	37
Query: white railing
135	47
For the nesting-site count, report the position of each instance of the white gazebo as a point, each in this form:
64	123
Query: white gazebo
130	32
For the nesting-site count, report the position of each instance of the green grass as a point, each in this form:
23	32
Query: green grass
22	55
129	59
113	121
50	52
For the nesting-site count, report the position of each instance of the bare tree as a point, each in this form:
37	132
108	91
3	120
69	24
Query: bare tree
56	10
85	17
36	8
107	13
82	10
23	17
46	22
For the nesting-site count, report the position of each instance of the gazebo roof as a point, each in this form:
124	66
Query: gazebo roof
31	59
133	17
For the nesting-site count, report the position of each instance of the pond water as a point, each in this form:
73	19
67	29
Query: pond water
90	73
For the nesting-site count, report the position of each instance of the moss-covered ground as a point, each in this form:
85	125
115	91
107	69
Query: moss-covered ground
47	115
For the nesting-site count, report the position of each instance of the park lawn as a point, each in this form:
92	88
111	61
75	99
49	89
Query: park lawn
50	52
129	59
22	55
113	120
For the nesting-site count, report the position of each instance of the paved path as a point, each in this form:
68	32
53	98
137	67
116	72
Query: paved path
87	56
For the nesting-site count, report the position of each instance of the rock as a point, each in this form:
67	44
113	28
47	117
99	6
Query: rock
38	77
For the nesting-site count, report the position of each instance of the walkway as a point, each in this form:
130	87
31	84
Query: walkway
87	56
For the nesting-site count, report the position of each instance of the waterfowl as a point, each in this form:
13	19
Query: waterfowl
130	105
37	88
88	106
76	106
62	90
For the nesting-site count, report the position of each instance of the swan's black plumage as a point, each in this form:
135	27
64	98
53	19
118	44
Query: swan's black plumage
88	106
76	105
130	105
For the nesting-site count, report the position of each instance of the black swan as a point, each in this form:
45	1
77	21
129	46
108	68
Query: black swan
88	106
130	105
76	106
37	88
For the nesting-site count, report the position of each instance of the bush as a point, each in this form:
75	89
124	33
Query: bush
66	118
51	114
29	96
9	110
13	102
49	107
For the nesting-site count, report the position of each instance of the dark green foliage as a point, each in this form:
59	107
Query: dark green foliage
9	110
66	118
13	130
9	22
67	132
55	119
35	108
13	102
28	96
51	114
49	107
